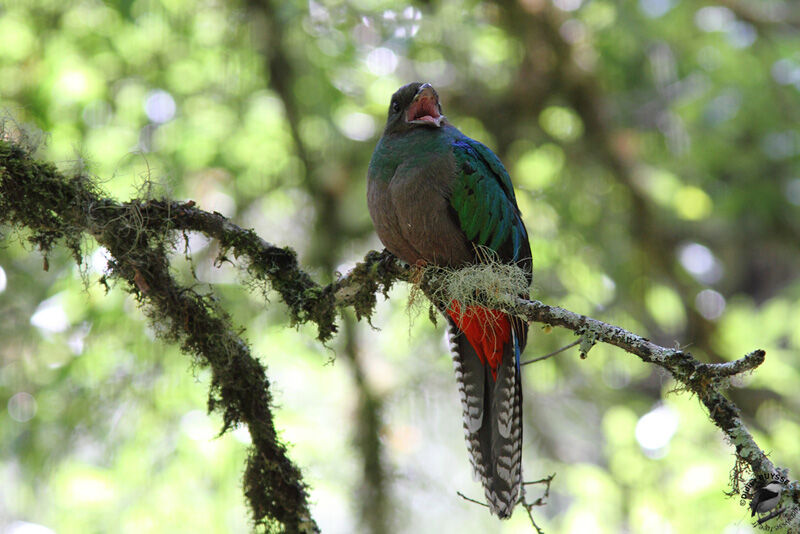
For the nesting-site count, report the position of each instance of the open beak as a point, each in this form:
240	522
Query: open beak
424	109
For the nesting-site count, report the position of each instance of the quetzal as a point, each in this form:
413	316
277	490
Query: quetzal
438	197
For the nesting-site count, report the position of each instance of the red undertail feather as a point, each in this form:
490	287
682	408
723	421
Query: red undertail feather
487	330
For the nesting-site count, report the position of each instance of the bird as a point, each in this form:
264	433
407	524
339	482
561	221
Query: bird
438	197
766	498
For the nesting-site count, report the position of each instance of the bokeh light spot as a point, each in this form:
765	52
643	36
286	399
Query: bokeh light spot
714	18
242	434
655	8
785	71
692	203
792	191
18	40
88	488
73	83
98	263
655	429
22	407
699	261
561	123
568	5
724	107
356	125
573	31
50	316
76	341
697	479
742	34
159	106
781	145
666	308
25	527
382	61
197	426
540	167
710	304
696	258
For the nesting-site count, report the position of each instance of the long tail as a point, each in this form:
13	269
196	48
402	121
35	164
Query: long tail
486	345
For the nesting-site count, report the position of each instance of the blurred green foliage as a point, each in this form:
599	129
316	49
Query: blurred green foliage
655	149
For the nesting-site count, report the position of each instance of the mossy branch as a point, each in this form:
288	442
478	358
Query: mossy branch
53	207
138	234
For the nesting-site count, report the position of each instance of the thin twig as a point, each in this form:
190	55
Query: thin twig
772	515
746	363
530	516
546	480
471	499
558	351
538	502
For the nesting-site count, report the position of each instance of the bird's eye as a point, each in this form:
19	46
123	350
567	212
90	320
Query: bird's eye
395	106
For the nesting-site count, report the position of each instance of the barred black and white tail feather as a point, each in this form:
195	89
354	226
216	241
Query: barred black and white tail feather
492	421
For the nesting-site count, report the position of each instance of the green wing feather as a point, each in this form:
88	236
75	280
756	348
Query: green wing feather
484	202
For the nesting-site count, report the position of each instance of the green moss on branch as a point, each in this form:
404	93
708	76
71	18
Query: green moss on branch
52	207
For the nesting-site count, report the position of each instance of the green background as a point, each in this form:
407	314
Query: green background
656	155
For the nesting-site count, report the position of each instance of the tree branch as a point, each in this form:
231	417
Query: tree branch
704	380
36	196
139	234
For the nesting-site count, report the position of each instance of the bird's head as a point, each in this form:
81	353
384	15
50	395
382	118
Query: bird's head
415	105
766	498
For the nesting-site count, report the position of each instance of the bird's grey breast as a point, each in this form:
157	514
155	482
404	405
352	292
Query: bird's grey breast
419	195
387	225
